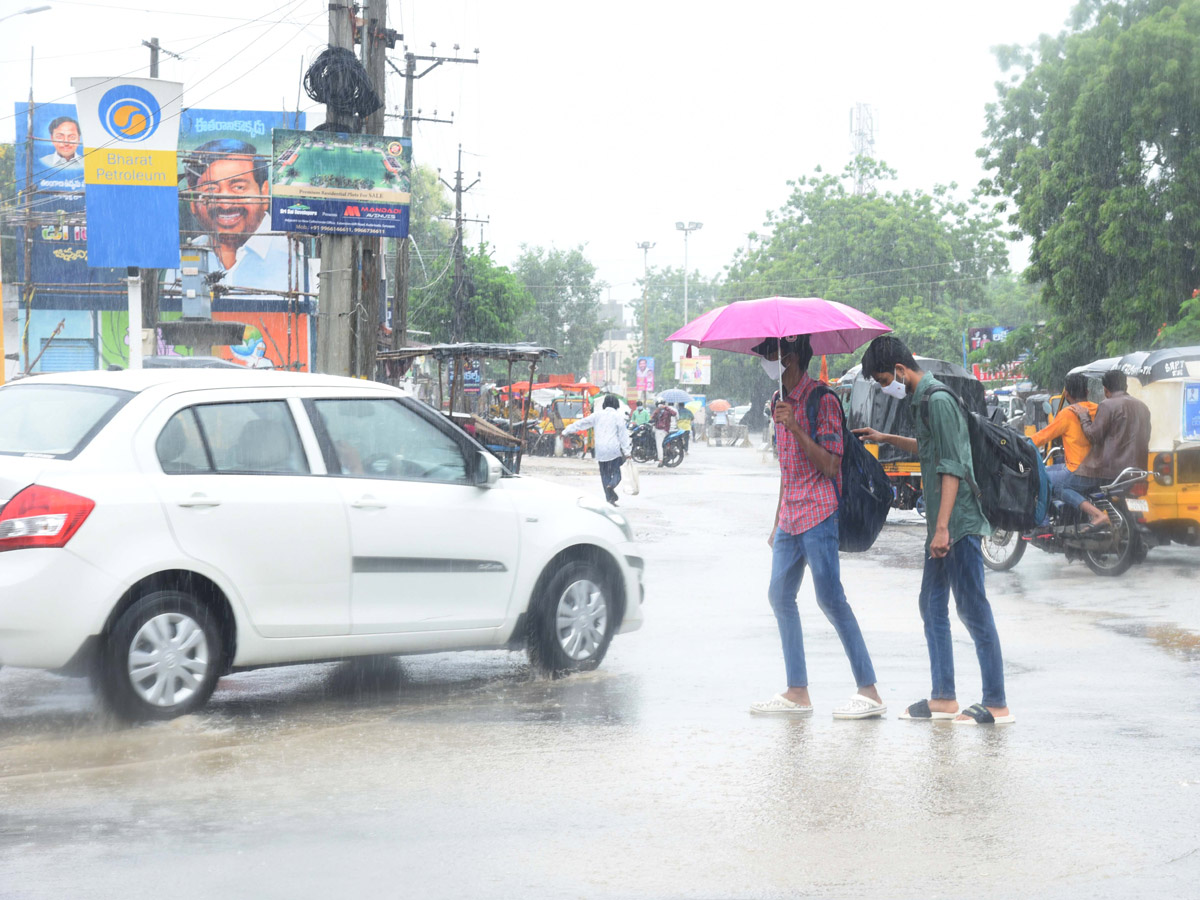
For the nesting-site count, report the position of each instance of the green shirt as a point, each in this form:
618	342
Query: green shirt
641	416
944	448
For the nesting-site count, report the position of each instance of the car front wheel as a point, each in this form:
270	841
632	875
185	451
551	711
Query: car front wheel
162	658
571	624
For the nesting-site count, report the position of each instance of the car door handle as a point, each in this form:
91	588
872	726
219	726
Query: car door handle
199	500
368	502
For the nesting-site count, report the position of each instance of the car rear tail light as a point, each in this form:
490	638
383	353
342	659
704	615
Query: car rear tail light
42	517
1164	469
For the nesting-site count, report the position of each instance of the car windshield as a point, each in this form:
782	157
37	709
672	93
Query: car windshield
54	419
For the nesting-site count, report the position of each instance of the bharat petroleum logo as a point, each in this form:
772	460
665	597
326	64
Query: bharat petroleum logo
130	113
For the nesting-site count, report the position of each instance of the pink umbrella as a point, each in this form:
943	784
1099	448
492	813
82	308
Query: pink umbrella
833	327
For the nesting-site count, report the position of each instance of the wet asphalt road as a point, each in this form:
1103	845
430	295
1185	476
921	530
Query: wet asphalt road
459	774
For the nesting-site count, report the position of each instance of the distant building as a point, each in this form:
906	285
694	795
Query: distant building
610	361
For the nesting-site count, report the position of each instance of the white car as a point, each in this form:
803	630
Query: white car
161	528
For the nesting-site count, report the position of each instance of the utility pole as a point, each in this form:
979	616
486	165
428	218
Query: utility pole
150	295
400	316
155	49
338	269
458	323
364	321
27	231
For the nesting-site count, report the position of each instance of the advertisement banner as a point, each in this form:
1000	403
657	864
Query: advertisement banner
980	337
697	370
224	206
324	182
213	209
129	129
1191	411
644	373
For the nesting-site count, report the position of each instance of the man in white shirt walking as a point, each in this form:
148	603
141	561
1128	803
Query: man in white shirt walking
612	442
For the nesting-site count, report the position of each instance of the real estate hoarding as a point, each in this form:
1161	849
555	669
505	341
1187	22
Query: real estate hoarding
325	182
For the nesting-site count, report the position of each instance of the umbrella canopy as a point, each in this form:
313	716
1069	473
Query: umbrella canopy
833	327
675	395
694	406
720	405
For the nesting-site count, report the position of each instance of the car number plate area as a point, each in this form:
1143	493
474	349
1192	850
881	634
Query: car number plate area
1135	505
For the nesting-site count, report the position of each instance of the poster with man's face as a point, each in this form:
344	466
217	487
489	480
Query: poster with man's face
644	373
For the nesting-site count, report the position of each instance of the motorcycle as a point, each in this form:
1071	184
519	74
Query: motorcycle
1108	552
643	448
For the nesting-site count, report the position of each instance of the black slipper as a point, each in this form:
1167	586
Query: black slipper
921	710
981	715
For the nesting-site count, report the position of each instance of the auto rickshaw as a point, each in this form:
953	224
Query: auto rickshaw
1168	382
867	406
1171	507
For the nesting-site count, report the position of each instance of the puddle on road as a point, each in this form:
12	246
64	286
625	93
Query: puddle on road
1175	640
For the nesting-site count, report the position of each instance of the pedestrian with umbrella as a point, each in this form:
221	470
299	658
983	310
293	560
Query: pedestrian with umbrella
783	332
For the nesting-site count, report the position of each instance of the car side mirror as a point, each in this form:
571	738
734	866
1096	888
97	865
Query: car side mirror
487	470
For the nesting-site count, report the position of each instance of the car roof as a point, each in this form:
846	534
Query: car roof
170	381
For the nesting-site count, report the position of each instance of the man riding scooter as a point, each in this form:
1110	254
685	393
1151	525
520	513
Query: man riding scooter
1066	483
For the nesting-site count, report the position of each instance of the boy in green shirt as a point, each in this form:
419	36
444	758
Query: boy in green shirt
955	523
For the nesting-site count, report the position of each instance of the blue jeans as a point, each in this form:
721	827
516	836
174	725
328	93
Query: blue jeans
961	570
818	548
1067	486
610	472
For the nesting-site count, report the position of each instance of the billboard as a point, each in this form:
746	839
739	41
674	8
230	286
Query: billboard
980	337
222	204
644	373
324	182
129	169
696	370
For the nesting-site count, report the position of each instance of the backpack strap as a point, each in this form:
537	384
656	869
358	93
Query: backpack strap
813	408
924	410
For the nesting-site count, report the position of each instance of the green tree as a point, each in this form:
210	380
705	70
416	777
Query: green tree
1094	145
497	301
920	262
566	306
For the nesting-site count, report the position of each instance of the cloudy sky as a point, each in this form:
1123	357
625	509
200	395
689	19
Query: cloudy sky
594	123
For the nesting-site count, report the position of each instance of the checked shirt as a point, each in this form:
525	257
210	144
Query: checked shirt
809	498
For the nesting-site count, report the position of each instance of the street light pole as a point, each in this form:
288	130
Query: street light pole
686	229
645	247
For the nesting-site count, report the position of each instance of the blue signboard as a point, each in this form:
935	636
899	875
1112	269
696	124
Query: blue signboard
330	183
1191	411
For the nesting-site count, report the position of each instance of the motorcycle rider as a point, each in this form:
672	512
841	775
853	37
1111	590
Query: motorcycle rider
661	419
1065	481
1119	431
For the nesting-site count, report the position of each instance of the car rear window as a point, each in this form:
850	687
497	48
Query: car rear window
56	420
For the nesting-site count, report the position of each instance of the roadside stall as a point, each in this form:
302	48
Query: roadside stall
458	367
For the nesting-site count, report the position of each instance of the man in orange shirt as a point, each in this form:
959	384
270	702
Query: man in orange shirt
1065	484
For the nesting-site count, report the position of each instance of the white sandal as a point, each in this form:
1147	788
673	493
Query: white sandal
780	705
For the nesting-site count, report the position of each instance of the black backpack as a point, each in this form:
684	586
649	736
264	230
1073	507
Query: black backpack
1010	478
866	494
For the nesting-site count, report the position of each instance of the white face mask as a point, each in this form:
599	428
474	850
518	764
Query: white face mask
773	368
895	389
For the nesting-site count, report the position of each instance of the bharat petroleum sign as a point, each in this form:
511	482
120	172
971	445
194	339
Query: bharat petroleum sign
130	113
130	170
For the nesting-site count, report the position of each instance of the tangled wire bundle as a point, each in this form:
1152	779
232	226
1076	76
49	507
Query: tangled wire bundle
337	79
